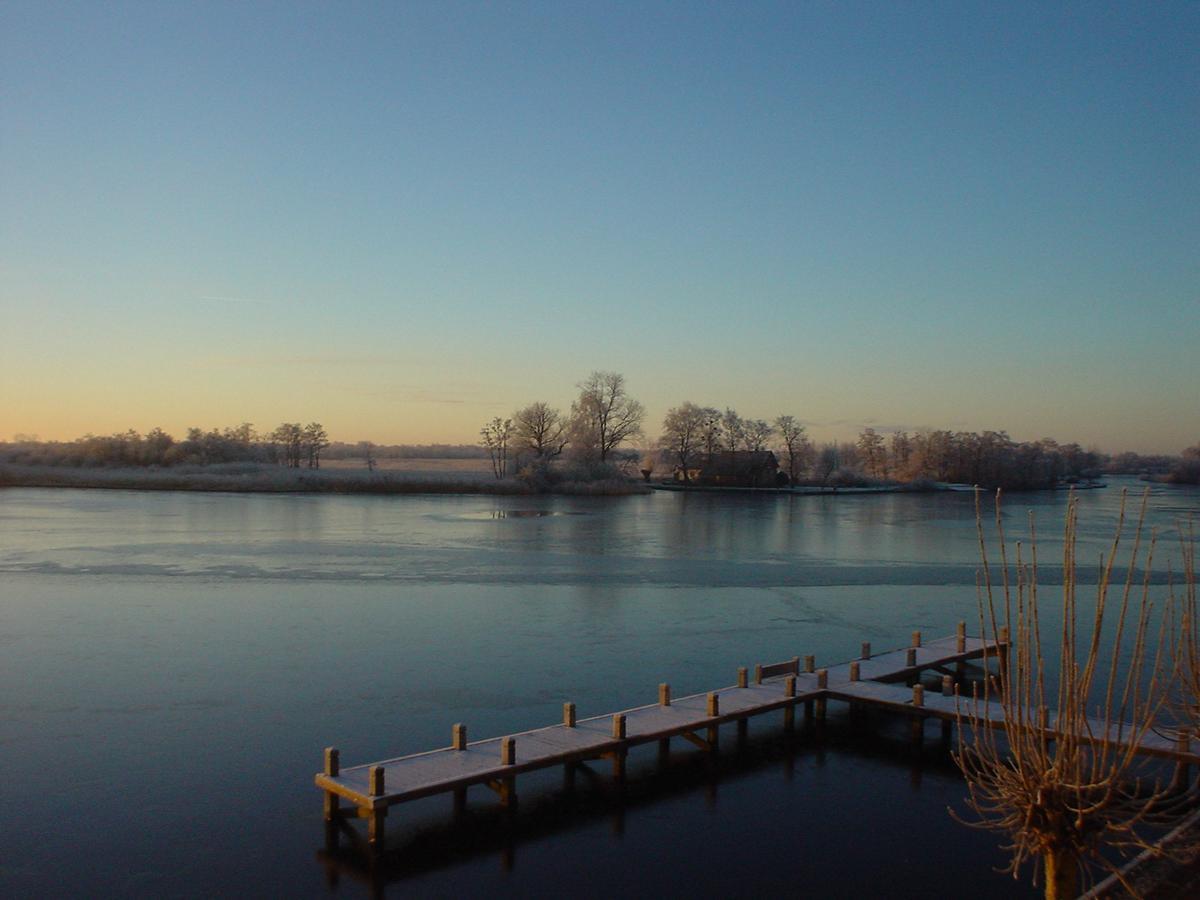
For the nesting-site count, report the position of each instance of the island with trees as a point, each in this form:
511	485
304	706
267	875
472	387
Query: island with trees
597	446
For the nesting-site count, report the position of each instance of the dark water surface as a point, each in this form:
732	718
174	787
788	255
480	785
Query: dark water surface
174	663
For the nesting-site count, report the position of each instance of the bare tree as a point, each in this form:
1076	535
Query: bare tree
827	462
733	429
755	434
290	438
711	431
366	448
683	434
605	416
315	440
1064	796
796	446
496	435
871	449
540	429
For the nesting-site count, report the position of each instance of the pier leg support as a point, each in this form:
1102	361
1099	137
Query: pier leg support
506	790
789	718
376	820
618	766
917	732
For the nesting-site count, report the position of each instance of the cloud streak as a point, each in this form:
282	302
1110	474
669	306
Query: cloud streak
255	301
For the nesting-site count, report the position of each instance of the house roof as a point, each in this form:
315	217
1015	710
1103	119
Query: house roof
739	462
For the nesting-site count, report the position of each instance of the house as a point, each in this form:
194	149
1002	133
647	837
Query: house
735	468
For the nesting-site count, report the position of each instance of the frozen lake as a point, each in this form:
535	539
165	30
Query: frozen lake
175	663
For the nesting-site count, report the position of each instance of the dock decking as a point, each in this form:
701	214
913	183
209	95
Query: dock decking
866	681
495	762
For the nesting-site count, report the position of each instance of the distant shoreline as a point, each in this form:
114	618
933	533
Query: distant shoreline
260	479
253	478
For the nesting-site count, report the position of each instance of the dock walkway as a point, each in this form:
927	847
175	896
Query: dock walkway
495	762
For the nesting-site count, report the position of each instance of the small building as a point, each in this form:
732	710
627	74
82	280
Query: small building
734	468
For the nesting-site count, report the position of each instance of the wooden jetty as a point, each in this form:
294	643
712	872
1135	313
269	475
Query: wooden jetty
496	762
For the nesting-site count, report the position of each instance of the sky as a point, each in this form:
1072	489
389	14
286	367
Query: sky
403	219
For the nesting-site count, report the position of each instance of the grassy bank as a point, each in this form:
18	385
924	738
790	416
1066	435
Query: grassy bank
256	478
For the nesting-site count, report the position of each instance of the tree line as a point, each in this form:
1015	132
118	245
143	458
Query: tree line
291	444
601	419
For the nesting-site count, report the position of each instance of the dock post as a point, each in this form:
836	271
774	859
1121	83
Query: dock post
741	677
758	675
508	783
377	814
331	809
810	666
910	660
918	721
332	768
664	694
854	670
789	711
1180	780
866	650
714	709
1003	640
960	646
458	741
618	756
822	683
569	715
916	639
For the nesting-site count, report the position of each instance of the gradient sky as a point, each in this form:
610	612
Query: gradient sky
403	219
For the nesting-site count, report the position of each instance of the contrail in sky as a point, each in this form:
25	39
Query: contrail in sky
238	300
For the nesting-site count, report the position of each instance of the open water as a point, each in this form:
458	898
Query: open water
173	665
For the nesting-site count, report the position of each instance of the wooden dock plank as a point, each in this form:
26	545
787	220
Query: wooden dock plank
939	706
435	771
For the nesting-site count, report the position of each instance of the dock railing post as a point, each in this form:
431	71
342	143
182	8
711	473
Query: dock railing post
854	670
1182	743
458	736
866	650
375	819
1003	652
810	666
916	639
618	757
713	709
742	677
822	683
664	744
789	711
569	715
332	768
508	783
918	721
960	638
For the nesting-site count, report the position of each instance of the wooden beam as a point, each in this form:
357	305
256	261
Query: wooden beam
458	737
